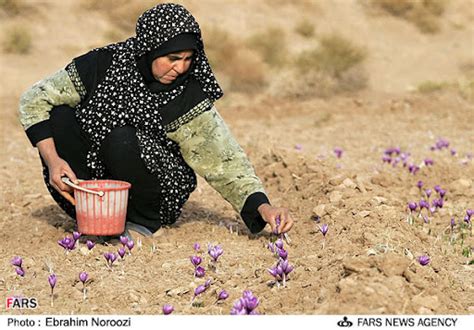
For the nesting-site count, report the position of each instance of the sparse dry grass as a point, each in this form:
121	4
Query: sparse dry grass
425	14
123	14
305	28
431	86
335	66
12	7
272	46
243	68
17	39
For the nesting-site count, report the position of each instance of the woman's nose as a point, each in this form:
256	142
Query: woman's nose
180	67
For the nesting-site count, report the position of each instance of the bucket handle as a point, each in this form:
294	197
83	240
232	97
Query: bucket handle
75	186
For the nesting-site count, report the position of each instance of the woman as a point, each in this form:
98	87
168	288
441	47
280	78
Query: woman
142	111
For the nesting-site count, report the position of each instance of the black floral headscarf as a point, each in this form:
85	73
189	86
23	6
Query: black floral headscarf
124	99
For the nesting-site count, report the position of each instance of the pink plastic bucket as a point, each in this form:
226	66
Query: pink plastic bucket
101	215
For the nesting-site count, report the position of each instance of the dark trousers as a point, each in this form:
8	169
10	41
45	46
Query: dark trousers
121	155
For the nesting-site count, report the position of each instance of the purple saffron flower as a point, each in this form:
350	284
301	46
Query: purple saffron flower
130	245
121	252
20	271
432	209
469	212
453	152
246	305
298	147
419	184
167	309
429	161
215	252
467	220
412	168
112	257
271	247
442	143
196	246
207	283
124	240
338	152
453	223
424	260
238	308
76	235
90	244
274	272
279	243
441	193
282	254
395	161
199	271
424	204
16	261
67	243
412	206
428	193
52	279
196	260
107	256
223	295
324	229
425	218
200	289
437	188
386	159
83	277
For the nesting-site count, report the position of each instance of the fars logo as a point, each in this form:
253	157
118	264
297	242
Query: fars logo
16	302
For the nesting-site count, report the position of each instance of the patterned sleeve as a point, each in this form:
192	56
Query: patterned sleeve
37	101
210	149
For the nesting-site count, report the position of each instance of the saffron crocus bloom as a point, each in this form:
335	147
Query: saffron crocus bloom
196	246
428	161
20	271
437	188
279	243
469	212
245	305
67	243
112	257
442	193
121	252
83	277
452	223
412	168
90	244
199	271
419	184
412	206
130	245
168	309
467	219
16	261
428	193
298	147
215	252
324	229
200	289
107	256
196	260
424	260
52	280
453	152
338	152
282	254
223	295
386	159
124	240
76	235
424	204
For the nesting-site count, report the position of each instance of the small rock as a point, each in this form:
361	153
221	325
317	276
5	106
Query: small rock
431	302
336	180
379	200
320	210
348	183
335	197
363	214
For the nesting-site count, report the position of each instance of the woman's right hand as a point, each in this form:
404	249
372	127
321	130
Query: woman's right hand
57	168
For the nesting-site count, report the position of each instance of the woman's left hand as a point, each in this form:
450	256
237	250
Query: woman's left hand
270	214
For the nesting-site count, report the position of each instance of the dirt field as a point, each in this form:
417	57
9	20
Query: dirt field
367	264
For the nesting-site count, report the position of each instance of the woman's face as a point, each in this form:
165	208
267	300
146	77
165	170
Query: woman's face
167	68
